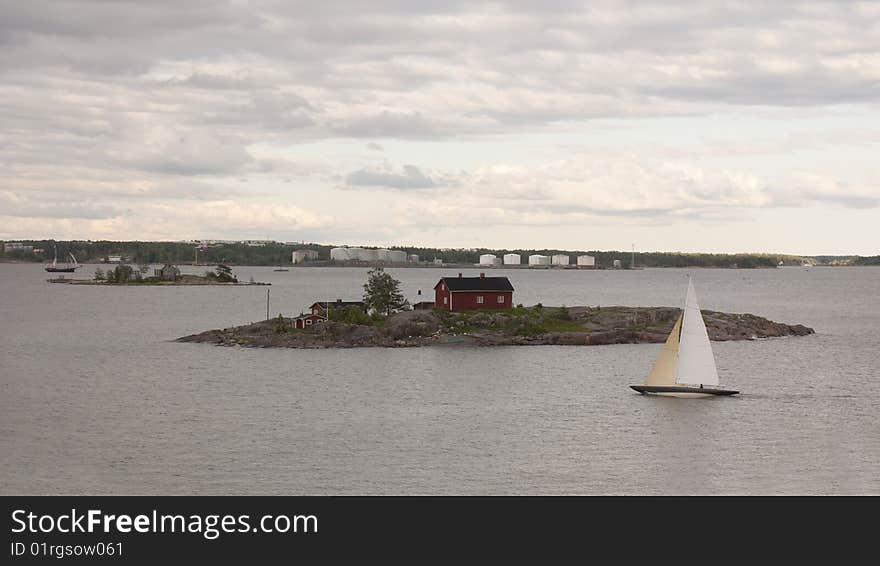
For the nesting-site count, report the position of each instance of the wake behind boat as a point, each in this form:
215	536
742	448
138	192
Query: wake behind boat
686	365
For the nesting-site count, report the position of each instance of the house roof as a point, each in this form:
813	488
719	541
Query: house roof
476	283
310	315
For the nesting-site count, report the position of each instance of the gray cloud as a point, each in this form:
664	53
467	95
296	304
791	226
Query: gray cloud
133	98
410	178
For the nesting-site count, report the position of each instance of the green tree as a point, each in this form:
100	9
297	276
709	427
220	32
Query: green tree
99	274
122	274
382	293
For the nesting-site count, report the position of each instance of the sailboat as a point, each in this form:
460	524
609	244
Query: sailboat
55	268
686	365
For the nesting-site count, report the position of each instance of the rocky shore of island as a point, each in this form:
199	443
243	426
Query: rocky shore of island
521	326
182	280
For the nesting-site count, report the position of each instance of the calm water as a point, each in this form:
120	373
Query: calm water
96	398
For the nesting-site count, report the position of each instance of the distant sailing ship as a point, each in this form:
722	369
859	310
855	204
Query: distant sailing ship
686	364
67	268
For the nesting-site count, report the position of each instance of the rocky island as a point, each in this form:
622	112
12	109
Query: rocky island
520	326
167	275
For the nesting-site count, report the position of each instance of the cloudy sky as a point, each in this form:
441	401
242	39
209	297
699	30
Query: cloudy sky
694	126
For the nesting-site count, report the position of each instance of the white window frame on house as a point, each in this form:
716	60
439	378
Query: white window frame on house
445	300
479	299
500	298
308	321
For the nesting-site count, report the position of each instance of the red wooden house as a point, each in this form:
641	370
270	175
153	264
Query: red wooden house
472	293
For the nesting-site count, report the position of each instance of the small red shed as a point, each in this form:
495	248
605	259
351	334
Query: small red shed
308	320
472	293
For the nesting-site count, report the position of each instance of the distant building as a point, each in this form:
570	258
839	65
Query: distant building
487	259
586	261
559	259
473	293
16	247
116	259
617	264
300	256
413	258
512	259
168	272
438	261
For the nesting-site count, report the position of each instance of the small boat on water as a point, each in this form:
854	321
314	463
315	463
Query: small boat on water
686	365
67	268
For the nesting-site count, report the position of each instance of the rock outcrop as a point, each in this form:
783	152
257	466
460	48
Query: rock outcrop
575	326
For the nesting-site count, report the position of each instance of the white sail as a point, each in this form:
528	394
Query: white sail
696	364
663	372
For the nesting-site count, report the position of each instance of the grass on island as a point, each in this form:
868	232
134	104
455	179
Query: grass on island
518	321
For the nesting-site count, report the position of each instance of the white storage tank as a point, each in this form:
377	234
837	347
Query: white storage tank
340	254
498	262
383	255
397	256
512	259
487	259
559	259
414	258
586	261
538	259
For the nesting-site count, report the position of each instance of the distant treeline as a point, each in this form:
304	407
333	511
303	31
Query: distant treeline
161	252
280	253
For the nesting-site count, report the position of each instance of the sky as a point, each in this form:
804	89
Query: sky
732	126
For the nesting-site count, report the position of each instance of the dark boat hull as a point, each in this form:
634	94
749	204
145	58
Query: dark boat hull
61	269
682	391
